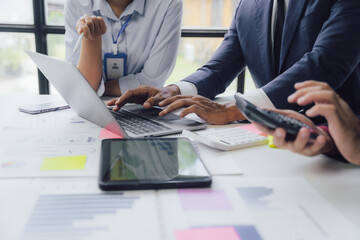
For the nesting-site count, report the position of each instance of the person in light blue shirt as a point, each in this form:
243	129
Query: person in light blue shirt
140	36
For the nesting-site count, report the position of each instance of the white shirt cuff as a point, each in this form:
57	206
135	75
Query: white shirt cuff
259	98
186	88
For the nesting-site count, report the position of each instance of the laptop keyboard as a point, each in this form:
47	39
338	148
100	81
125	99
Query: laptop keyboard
136	124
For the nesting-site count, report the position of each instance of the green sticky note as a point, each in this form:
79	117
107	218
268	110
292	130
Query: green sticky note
64	163
271	141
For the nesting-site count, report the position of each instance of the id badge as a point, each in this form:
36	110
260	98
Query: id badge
115	65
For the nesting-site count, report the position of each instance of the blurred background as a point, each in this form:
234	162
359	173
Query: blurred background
38	25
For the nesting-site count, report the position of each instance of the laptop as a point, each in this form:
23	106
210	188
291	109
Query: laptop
84	101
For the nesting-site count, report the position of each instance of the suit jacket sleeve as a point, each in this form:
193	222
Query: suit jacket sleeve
223	67
334	57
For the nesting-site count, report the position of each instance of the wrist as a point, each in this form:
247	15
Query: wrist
173	90
91	50
95	40
112	88
234	113
330	148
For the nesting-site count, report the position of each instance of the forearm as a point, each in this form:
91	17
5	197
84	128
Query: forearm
90	62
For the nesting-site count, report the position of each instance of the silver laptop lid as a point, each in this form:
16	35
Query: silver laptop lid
67	80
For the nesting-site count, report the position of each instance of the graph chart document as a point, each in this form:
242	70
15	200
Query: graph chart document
49	152
253	209
76	209
234	209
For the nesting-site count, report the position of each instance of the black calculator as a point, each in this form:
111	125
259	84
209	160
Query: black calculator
271	119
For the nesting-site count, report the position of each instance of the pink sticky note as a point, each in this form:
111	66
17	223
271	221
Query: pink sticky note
106	134
251	128
203	199
216	233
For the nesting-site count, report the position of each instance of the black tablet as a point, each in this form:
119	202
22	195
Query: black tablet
151	163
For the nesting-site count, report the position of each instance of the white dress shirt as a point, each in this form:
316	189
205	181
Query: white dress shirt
150	40
257	96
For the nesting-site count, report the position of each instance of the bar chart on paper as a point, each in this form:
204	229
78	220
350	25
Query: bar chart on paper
69	216
76	209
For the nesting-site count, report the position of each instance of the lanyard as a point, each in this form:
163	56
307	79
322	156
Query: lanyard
120	32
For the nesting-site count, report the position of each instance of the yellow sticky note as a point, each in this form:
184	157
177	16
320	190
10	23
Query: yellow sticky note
271	141
63	163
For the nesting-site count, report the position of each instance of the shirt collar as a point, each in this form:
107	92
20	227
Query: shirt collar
102	8
138	6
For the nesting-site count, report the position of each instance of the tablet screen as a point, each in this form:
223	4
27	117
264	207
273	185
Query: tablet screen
152	160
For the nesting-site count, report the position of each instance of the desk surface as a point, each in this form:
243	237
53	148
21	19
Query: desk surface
339	183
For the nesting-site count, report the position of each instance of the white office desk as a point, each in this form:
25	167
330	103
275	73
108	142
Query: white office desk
339	183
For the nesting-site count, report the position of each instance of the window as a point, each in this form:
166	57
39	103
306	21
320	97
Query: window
17	71
204	24
54	12
11	13
209	13
193	53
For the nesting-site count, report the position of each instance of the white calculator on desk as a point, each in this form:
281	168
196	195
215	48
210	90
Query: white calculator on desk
229	138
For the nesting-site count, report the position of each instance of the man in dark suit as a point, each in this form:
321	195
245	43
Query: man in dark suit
281	42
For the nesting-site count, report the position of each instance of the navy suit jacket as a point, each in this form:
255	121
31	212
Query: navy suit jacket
321	41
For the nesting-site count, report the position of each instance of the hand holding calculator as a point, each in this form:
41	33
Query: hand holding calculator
271	119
